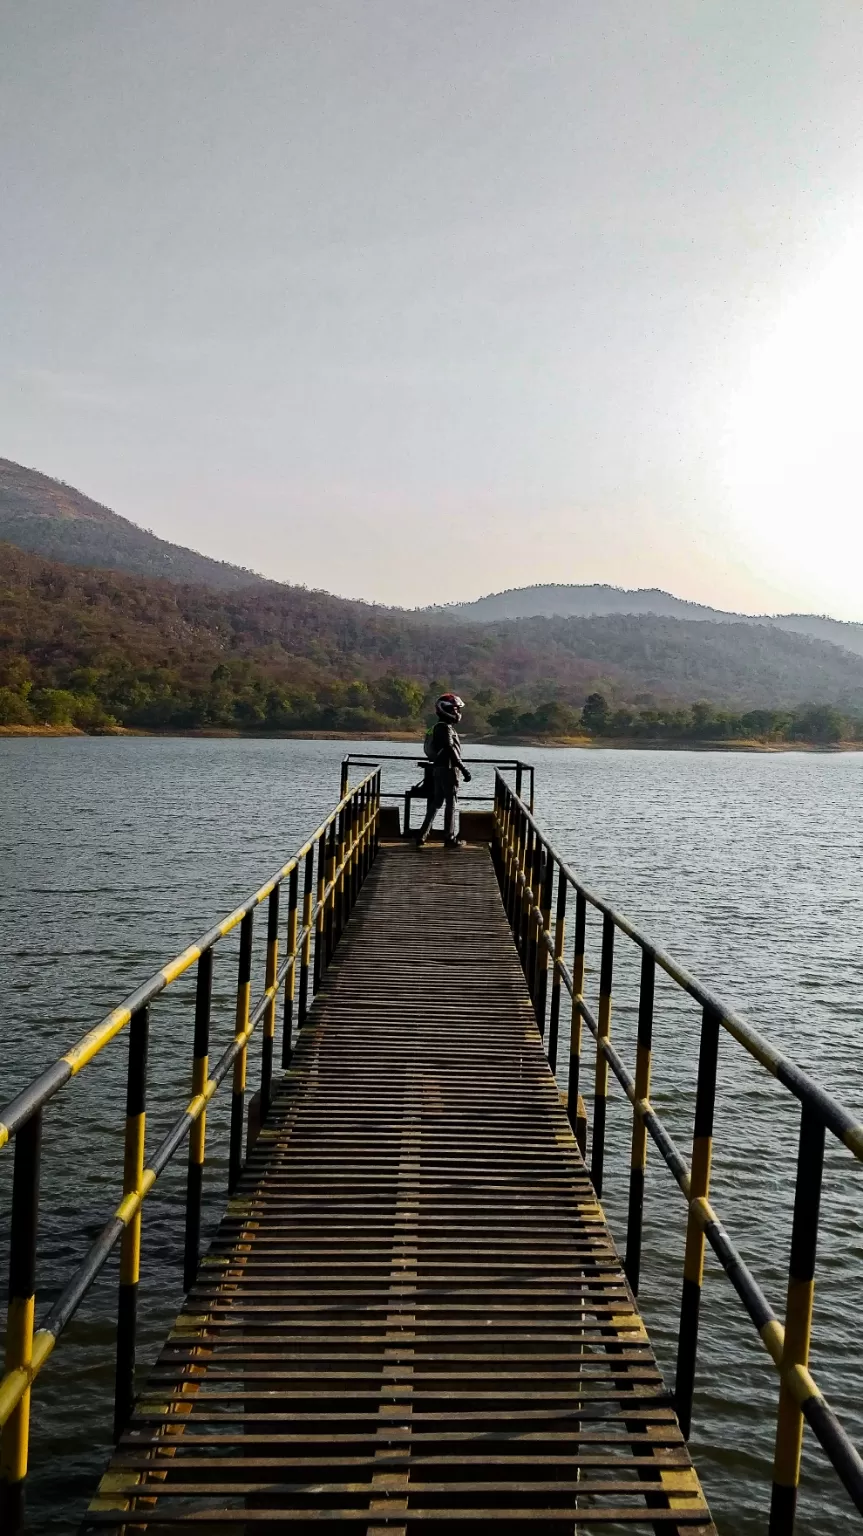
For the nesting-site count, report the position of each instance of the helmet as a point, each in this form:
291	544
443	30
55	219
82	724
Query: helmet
449	707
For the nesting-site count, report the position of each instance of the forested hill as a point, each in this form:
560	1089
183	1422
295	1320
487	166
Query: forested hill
96	647
48	517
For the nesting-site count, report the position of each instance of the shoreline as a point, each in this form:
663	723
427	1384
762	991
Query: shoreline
589	743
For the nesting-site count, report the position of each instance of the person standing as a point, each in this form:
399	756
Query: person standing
444	749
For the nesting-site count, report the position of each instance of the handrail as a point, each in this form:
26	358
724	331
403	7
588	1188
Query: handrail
527	864
837	1119
499	764
43	1087
346	844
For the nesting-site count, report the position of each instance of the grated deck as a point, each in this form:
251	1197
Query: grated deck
413	1317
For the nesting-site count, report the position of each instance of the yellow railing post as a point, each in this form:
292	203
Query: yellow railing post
798	1323
15	1441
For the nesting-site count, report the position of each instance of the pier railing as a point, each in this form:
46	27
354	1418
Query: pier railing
333	865
522	772
536	884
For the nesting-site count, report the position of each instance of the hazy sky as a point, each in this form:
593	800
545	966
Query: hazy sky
421	300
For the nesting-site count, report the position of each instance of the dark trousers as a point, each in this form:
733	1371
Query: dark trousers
444	792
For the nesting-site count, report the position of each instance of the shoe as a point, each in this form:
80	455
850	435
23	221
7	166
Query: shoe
419	842
454	842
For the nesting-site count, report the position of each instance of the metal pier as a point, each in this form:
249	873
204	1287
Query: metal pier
413	1314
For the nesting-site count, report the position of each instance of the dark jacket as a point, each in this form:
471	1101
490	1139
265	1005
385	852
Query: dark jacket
446	748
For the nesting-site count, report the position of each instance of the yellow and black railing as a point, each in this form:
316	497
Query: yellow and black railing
341	851
528	867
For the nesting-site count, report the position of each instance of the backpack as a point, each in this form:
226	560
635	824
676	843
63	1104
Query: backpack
429	746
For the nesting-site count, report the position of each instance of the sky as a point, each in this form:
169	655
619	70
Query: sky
419	301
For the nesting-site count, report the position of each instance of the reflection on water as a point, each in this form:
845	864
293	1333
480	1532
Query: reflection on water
116	853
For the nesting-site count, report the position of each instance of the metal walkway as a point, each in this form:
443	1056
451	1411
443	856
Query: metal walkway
413	1316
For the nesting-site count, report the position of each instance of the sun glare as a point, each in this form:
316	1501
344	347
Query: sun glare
793	465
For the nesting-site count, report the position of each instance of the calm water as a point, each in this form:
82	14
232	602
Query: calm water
115	853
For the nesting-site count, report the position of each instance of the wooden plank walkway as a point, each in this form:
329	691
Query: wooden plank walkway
413	1317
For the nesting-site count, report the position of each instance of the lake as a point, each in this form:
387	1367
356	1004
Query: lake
117	852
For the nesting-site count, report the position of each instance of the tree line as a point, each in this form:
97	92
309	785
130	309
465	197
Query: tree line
814	722
236	698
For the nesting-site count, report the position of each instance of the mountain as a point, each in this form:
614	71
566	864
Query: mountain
553	601
159	636
48	517
51	518
165	655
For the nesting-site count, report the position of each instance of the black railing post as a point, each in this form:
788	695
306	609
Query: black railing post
306	954
350	860
537	865
798	1322
376	820
14	1444
575	1027
357	805
600	1097
340	900
364	862
505	851
291	977
520	845
515	849
638	1158
699	1188
362	824
543	928
198	1133
238	1093
345	778
559	939
268	1036
528	847
320	914
330	899
497	839
130	1243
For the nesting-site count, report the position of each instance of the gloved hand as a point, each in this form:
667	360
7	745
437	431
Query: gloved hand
465	775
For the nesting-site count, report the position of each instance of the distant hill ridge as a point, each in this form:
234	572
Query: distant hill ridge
47	517
600	600
50	518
